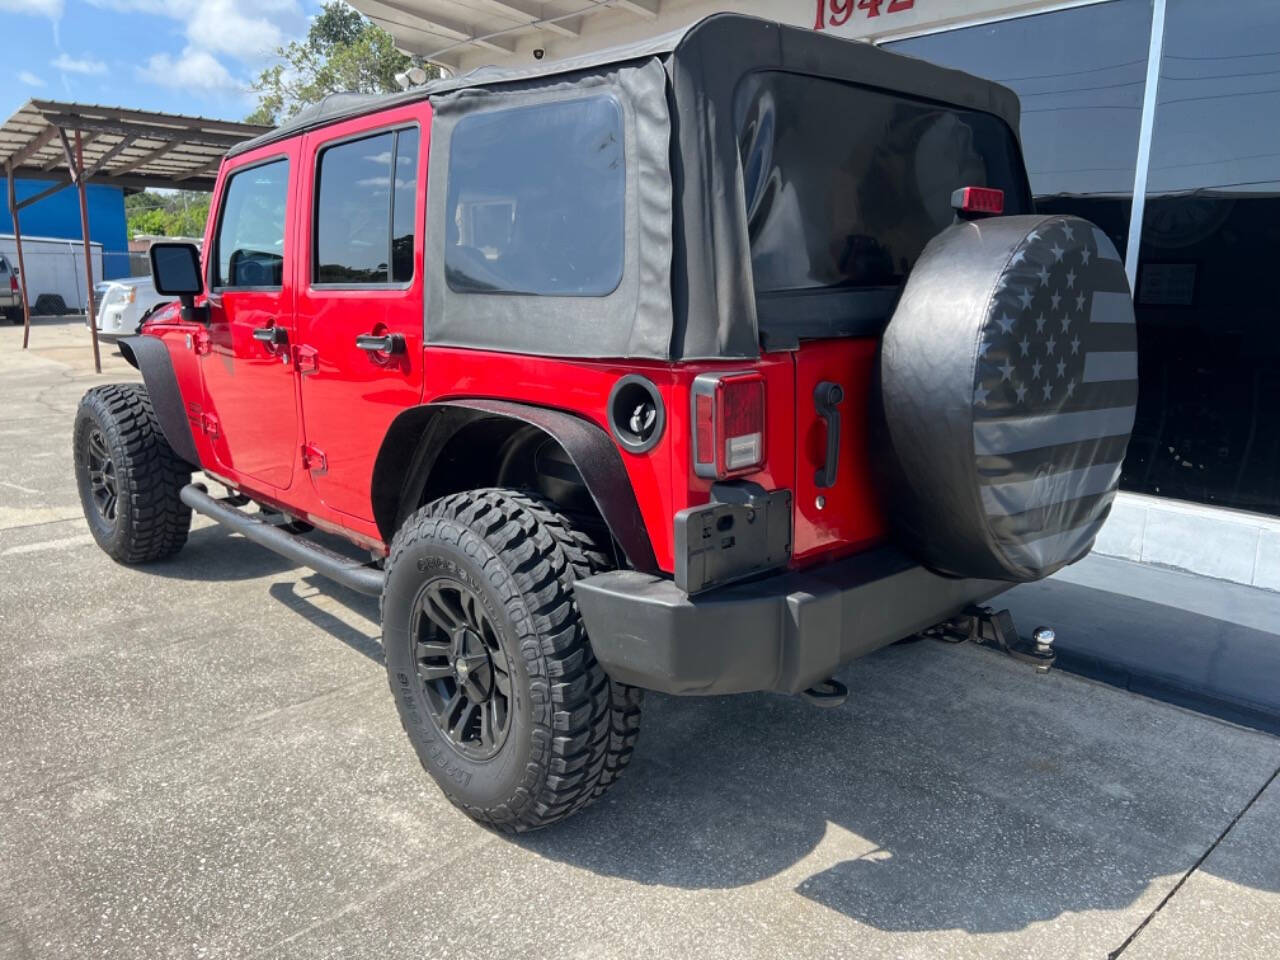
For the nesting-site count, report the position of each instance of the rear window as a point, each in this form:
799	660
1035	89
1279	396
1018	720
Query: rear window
536	200
845	185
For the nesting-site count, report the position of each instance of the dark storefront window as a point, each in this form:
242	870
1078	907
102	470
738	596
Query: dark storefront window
1208	289
1080	74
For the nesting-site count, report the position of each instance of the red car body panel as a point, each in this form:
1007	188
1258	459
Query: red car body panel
349	396
850	517
300	427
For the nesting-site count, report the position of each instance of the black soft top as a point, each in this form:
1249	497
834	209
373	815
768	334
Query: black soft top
687	289
706	40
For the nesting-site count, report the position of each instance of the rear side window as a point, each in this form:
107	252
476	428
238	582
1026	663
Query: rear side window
250	237
536	200
845	185
364	216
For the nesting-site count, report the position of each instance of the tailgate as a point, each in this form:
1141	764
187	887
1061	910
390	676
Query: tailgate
845	516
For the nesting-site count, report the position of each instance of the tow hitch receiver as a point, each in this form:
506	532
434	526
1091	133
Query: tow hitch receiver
987	627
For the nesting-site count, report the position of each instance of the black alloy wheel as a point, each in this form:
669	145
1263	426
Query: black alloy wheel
102	477
465	673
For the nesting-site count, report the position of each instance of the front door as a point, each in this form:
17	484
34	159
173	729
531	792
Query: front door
250	392
359	304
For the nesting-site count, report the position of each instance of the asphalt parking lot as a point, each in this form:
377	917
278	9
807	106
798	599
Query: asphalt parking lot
201	759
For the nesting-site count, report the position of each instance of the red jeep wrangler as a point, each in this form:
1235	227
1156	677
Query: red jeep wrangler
703	366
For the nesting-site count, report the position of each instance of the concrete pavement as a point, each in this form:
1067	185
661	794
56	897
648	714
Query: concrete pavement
200	759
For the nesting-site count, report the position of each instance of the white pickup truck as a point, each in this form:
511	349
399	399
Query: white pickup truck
123	303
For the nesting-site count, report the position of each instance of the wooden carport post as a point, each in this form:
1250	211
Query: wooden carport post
88	254
22	266
75	160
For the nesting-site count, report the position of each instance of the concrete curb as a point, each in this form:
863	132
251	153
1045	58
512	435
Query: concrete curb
1214	542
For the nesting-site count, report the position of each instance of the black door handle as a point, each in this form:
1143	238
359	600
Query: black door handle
827	397
273	336
390	343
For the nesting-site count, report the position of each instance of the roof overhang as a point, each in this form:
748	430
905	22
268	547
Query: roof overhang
121	147
464	34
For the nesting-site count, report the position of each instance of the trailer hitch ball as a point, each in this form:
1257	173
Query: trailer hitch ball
1043	638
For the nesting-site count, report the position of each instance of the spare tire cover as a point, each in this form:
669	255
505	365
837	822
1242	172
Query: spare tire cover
1007	386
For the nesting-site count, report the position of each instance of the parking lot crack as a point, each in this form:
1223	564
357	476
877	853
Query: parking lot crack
1194	867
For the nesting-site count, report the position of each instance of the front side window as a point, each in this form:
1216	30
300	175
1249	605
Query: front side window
364	218
250	237
536	200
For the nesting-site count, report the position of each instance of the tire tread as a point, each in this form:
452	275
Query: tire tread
585	725
150	475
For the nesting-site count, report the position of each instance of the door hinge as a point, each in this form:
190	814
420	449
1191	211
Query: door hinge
313	458
209	425
202	343
305	359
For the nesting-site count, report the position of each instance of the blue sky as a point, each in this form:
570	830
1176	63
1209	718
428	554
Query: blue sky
182	56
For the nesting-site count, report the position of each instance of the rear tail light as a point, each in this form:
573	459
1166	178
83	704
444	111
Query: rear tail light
979	200
728	424
13	283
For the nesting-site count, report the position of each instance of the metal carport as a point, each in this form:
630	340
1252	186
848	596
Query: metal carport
78	144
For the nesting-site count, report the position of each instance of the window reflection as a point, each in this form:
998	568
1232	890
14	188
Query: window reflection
536	200
1080	75
1207	288
250	242
352	208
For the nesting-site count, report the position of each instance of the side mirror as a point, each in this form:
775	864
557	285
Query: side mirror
175	271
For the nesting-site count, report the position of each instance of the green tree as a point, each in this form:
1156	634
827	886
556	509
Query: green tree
178	213
342	52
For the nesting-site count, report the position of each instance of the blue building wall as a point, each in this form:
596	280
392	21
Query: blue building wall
59	216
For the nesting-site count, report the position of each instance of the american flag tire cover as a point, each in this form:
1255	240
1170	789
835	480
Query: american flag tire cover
1008	382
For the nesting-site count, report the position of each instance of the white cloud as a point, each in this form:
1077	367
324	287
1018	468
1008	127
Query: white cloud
29	78
70	64
45	8
190	70
249	30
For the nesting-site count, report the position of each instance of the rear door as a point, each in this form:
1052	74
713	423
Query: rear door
359	305
251	411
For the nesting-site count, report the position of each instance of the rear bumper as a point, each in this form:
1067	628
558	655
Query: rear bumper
785	632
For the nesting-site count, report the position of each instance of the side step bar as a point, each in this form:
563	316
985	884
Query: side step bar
352	574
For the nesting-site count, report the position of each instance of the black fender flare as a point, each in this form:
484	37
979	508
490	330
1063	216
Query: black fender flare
418	434
150	356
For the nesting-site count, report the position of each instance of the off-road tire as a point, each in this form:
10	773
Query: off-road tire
150	520
14	315
572	730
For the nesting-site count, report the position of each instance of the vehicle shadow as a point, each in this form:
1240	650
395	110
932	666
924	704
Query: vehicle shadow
216	553
336	627
956	789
